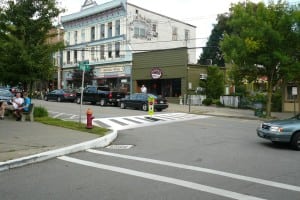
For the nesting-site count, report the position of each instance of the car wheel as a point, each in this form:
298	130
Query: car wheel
145	107
58	99
296	141
78	100
102	102
159	110
122	105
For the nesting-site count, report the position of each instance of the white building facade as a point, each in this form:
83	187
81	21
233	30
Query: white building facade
107	35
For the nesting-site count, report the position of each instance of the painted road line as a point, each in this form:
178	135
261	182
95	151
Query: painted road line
165	179
200	169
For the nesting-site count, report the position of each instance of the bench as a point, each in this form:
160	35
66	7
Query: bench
28	114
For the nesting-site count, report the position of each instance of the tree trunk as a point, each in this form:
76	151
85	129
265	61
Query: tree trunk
269	99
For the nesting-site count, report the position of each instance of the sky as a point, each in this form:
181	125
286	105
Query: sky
200	13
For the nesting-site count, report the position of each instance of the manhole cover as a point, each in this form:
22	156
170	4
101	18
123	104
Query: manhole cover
126	146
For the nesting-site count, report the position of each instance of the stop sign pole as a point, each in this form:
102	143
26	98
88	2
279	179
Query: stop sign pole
151	106
83	66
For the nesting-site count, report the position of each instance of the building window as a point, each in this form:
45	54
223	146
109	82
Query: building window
139	32
109	31
109	48
68	57
75	56
82	54
102	31
118	28
117	49
102	48
93	33
93	53
154	28
186	35
75	37
68	38
289	91
82	35
174	33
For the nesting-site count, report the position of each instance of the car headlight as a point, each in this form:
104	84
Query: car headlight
276	129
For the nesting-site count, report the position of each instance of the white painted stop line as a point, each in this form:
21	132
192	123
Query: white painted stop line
205	170
165	179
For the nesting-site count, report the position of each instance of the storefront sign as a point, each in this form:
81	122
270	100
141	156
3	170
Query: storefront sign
111	69
156	73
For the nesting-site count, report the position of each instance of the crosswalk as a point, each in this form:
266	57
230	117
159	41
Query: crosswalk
130	122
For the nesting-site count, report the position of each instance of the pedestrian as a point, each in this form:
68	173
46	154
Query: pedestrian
143	89
27	102
16	106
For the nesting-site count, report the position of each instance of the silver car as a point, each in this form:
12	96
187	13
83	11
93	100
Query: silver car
287	131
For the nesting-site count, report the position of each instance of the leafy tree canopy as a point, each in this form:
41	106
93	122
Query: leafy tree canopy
26	54
212	54
264	41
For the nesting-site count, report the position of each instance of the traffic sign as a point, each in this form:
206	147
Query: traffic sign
150	106
84	65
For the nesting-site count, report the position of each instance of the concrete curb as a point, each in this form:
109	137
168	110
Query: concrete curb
96	143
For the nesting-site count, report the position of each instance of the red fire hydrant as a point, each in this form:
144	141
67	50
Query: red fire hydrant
89	118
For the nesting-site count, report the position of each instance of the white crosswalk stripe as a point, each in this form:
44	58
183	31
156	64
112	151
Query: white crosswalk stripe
129	122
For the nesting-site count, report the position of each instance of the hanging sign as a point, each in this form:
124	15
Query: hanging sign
156	73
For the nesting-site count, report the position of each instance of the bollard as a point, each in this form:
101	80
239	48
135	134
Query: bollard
89	118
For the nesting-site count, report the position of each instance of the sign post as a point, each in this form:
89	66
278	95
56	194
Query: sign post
294	93
84	66
151	106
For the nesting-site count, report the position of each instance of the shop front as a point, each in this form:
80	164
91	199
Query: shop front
163	72
117	77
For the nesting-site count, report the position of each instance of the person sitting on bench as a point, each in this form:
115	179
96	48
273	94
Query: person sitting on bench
26	104
16	106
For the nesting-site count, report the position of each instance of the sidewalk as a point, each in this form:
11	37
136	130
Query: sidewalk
28	142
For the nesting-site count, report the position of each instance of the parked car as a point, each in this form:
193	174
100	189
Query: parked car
287	131
100	94
140	101
61	95
5	95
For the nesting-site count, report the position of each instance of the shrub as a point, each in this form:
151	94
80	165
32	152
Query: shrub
207	101
40	112
218	103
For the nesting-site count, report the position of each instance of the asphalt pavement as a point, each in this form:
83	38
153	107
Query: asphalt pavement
27	142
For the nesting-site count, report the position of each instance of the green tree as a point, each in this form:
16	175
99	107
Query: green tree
264	42
26	54
212	51
214	82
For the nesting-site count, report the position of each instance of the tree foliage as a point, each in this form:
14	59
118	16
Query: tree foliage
212	52
26	54
215	82
264	42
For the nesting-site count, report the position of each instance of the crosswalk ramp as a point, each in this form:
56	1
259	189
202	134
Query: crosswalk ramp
130	122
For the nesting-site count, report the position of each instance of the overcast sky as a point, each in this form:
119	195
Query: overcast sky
200	13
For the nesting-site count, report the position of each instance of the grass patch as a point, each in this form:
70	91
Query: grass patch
71	125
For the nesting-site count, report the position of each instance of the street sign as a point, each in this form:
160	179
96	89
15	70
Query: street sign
151	106
84	65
